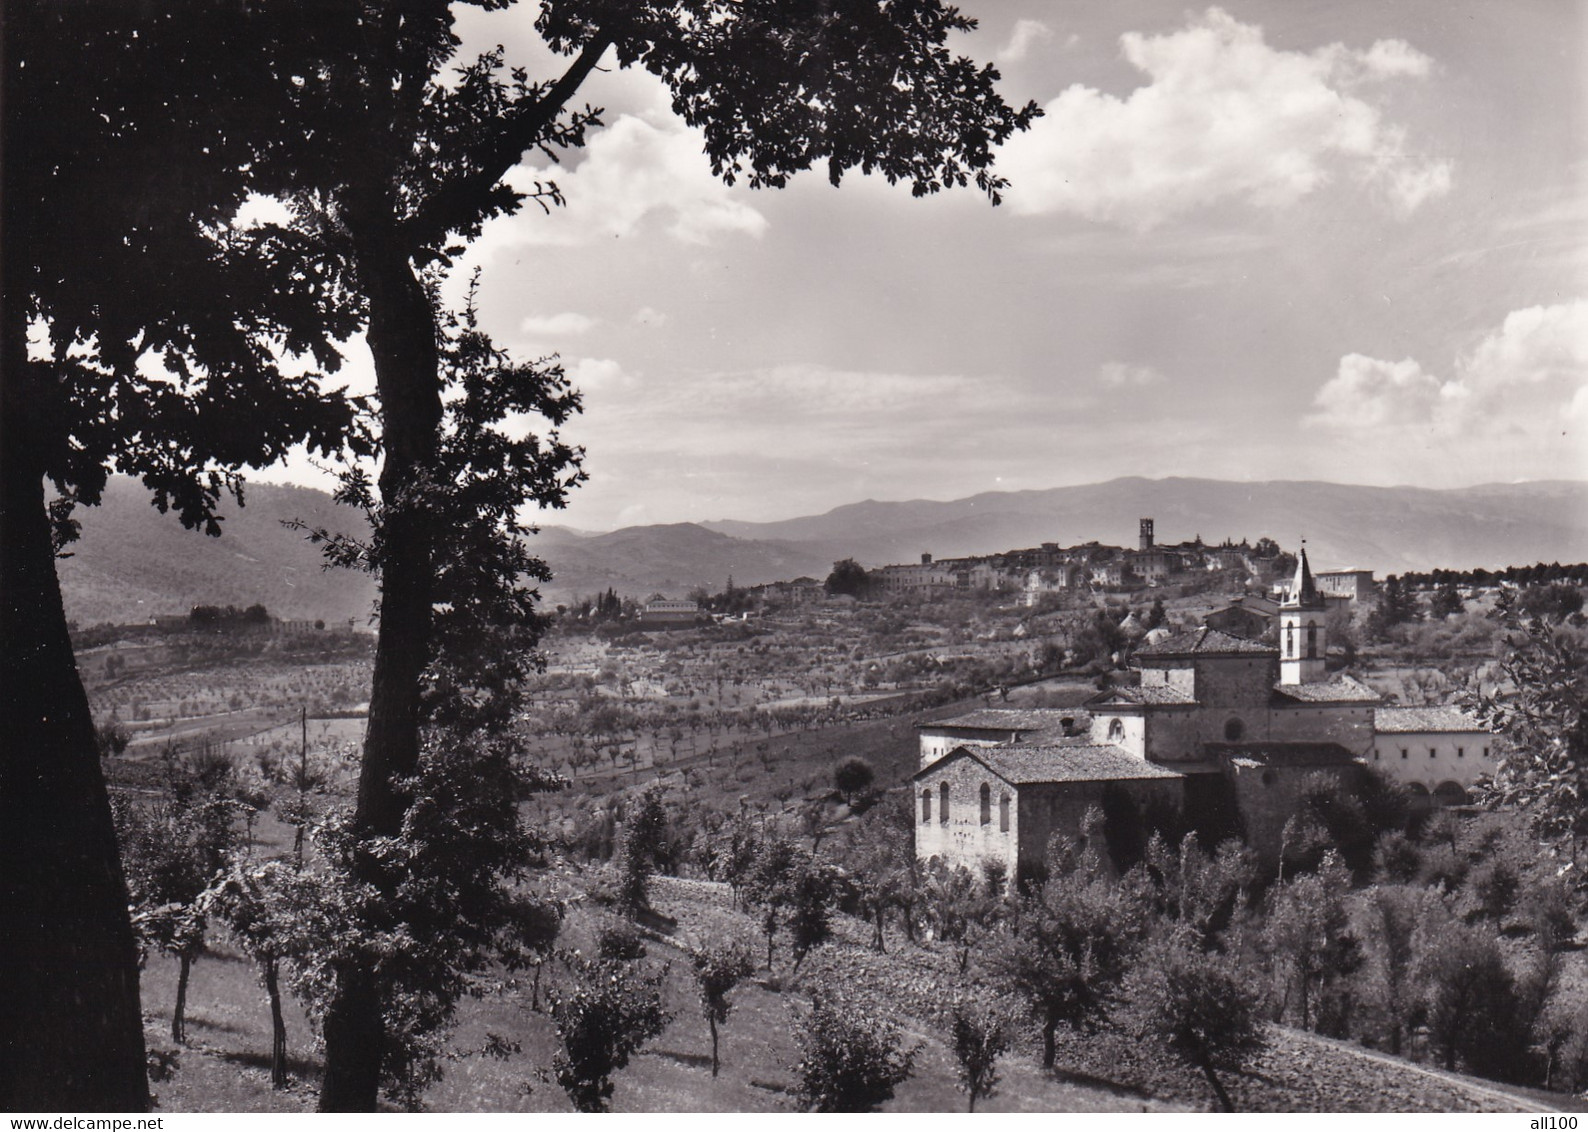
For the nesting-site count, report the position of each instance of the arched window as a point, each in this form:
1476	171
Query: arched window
1003	813
942	803
1312	640
1116	730
986	804
1290	639
926	805
1233	730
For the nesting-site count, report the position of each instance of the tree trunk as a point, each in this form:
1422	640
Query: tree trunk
71	1031
1048	1044
355	1030
179	1014
1218	1087
402	339
712	1022
278	1028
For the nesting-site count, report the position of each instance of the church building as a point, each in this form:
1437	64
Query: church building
1224	729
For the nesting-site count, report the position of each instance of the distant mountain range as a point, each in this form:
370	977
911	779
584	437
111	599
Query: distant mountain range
132	562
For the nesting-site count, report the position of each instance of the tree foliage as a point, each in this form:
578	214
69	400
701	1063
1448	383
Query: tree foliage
851	1061
853	778
411	154
611	1010
1198	1005
1538	711
144	329
1309	933
1064	952
980	1036
848	577
646	828
718	969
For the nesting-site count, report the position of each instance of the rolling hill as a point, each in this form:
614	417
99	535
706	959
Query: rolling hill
1386	529
133	563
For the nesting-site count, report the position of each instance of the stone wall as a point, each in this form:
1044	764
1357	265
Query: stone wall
964	839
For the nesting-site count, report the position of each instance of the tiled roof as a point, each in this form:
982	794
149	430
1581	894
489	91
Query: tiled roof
1012	719
1022	765
1283	754
1340	690
1149	694
1409	720
1204	641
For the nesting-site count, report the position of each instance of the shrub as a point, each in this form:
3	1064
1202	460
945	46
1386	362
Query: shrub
980	1037
612	1010
1396	858
850	1060
620	940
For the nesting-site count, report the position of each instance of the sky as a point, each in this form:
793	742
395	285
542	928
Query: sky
1337	240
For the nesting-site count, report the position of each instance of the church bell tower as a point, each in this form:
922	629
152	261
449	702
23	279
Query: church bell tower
1302	634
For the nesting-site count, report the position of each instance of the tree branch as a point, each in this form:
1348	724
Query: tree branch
455	205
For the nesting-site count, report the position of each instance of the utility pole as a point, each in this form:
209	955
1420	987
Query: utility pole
303	780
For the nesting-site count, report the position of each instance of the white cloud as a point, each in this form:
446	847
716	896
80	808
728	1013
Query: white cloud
1027	34
1223	117
1518	401
1366	393
637	173
650	316
1120	375
565	324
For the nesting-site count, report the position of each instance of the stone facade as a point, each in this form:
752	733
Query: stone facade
1433	751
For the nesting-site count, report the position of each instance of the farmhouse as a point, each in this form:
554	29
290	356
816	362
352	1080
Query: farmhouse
1223	728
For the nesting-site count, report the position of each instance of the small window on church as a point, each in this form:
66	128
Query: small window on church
926	806
1485	752
1116	730
1233	730
1461	752
986	804
1003	813
1312	640
942	804
1290	640
1405	754
1433	752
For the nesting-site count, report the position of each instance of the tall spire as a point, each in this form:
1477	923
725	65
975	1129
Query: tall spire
1303	591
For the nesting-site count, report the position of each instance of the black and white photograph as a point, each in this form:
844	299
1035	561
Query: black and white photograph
792	556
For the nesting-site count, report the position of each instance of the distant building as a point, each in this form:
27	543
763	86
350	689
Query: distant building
662	613
1356	585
